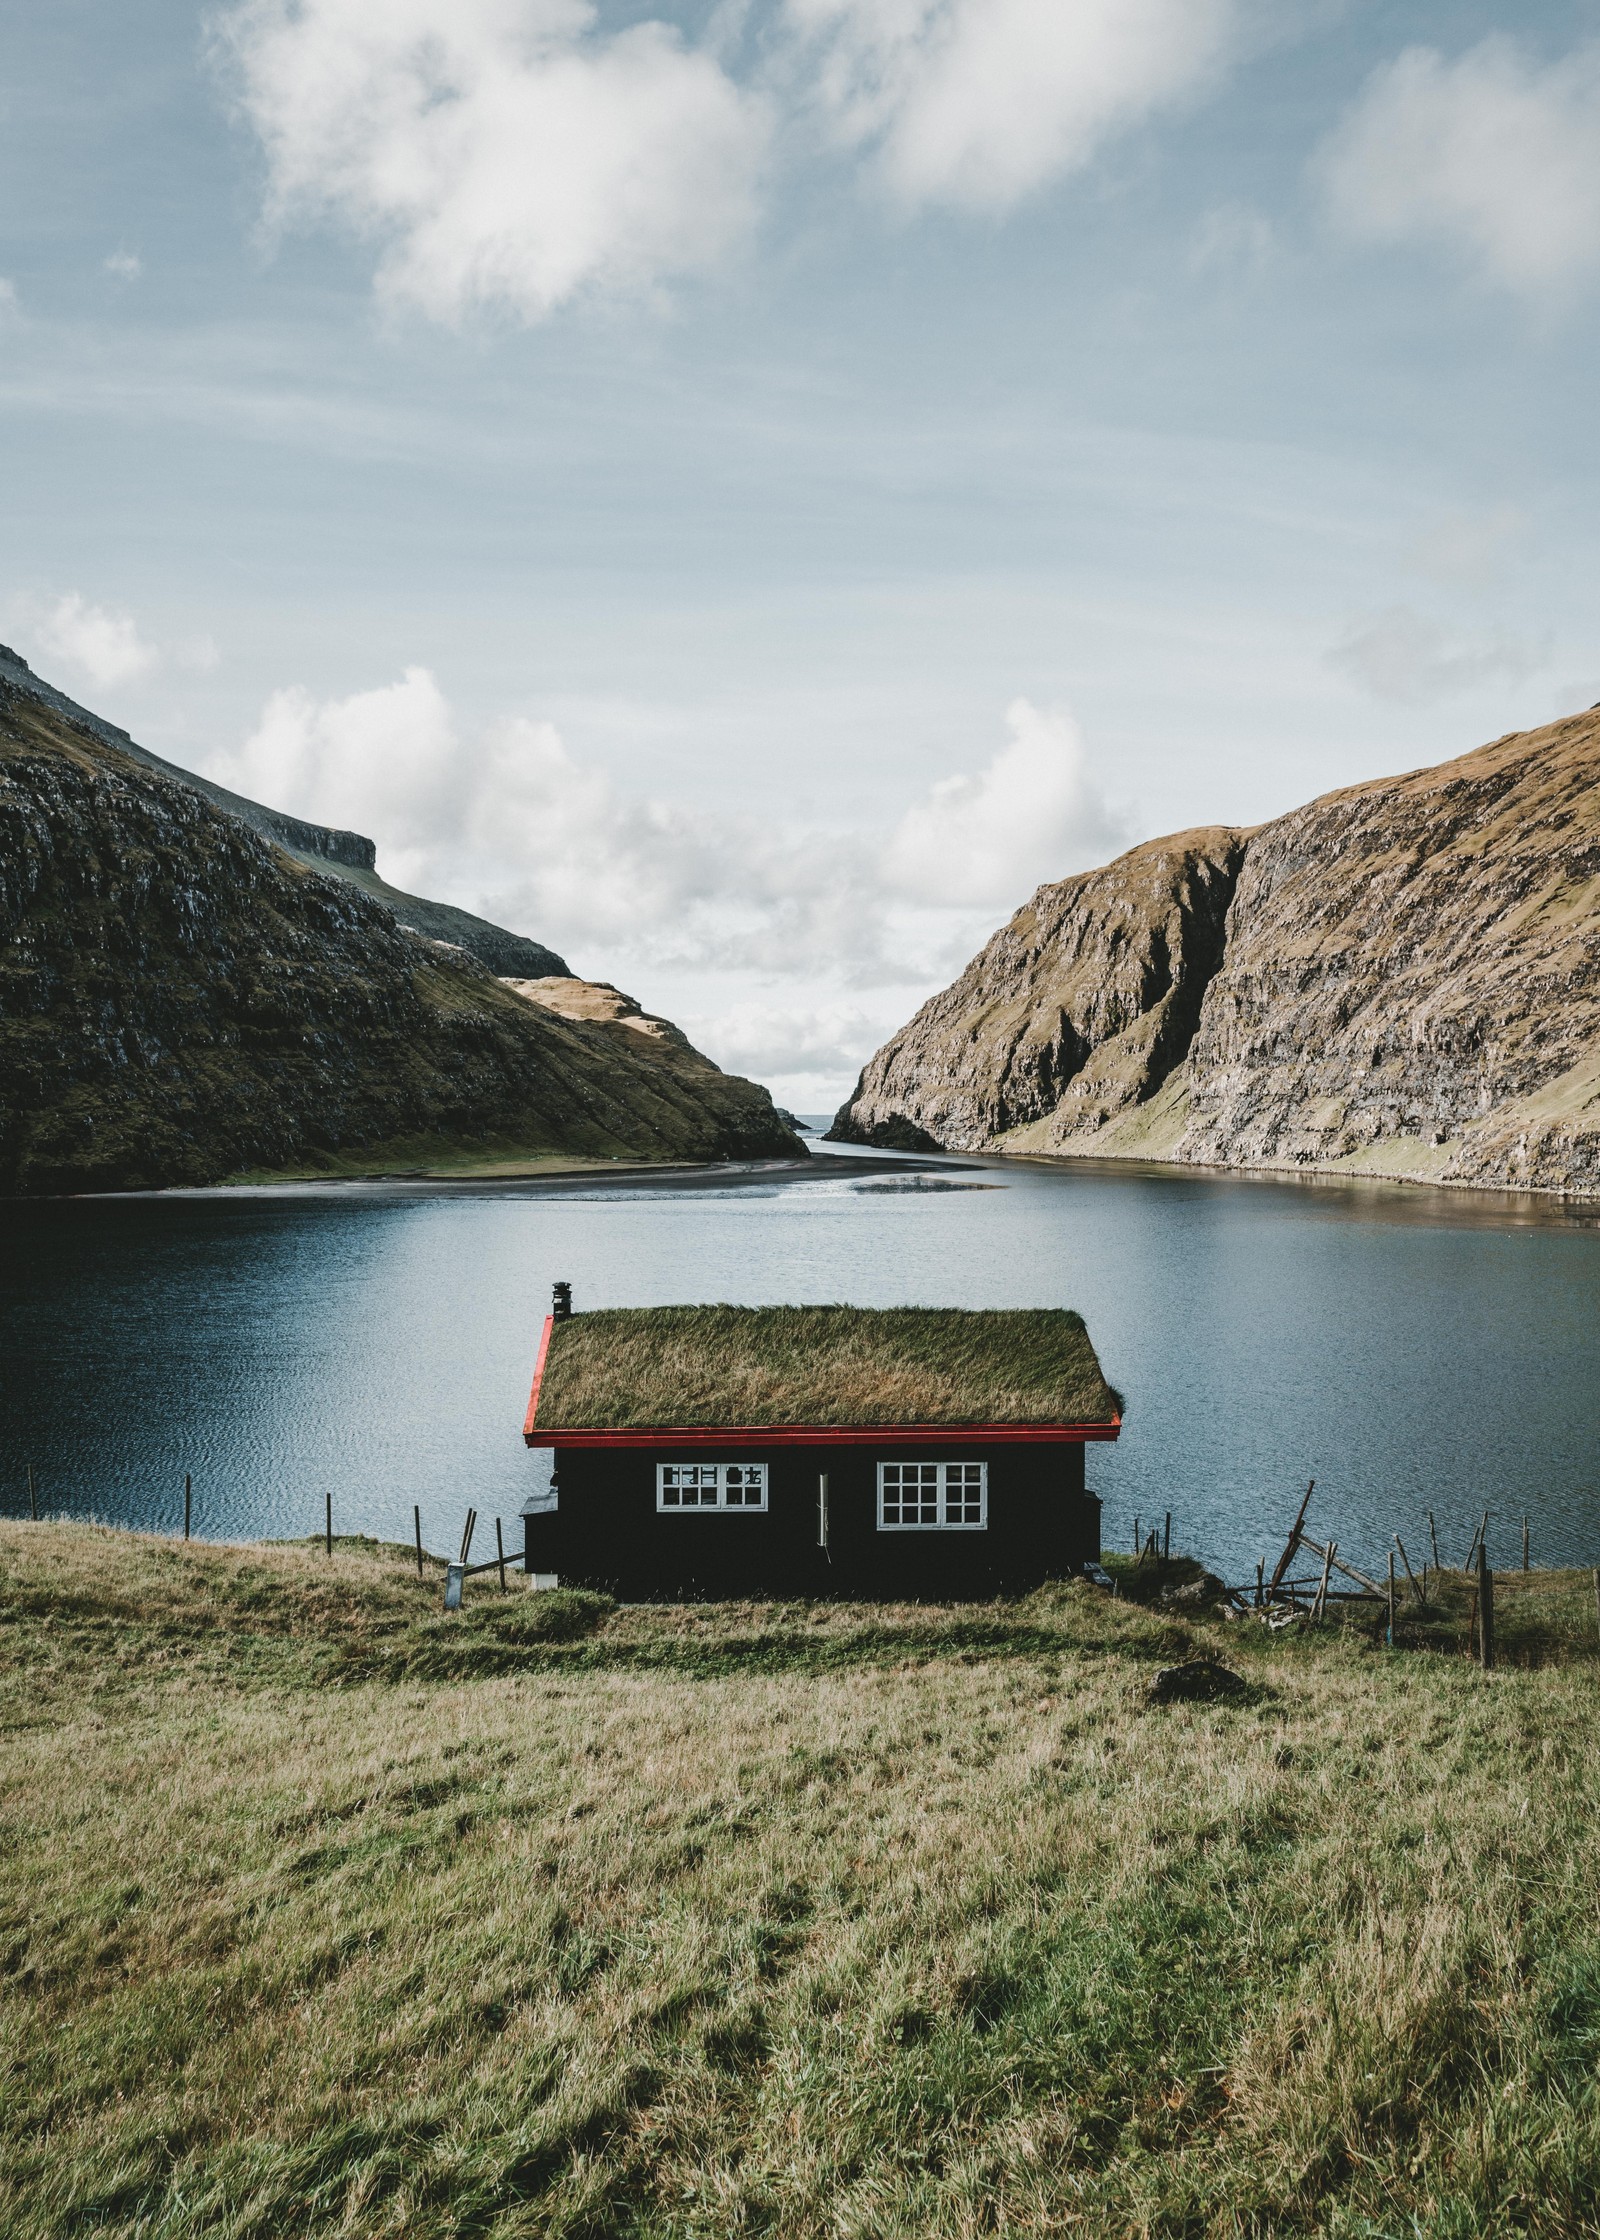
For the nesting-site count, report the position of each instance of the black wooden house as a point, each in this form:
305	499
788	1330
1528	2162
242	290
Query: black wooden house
902	1452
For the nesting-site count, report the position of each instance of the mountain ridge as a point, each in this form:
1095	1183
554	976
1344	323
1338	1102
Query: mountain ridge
183	1000
1407	985
350	855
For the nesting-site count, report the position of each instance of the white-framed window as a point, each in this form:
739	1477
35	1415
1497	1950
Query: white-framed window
711	1485
933	1496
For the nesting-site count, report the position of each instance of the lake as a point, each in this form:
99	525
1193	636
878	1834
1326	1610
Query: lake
1410	1349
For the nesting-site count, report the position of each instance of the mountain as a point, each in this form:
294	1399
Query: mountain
192	988
1401	979
320	847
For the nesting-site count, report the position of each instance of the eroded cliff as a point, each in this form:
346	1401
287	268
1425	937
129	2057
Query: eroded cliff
1406	982
181	1000
1076	1011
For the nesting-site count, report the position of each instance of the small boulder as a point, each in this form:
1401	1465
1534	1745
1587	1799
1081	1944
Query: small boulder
1198	1681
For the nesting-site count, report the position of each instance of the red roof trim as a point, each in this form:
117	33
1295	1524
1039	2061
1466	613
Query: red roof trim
538	1379
823	1435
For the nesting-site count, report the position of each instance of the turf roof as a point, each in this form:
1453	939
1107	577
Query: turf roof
638	1368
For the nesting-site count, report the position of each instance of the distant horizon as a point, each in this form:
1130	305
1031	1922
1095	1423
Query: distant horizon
744	495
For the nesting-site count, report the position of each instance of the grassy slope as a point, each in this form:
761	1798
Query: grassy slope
182	1003
318	1916
616	1367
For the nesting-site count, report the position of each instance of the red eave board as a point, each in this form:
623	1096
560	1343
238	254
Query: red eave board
809	1434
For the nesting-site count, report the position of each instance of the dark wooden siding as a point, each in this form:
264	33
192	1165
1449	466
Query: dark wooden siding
607	1532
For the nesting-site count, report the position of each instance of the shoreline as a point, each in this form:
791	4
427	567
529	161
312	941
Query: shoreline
558	1173
1272	1170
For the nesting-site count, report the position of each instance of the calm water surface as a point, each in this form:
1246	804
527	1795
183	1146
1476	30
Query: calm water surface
1410	1349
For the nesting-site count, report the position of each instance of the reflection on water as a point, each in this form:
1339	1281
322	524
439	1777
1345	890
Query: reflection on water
1411	1349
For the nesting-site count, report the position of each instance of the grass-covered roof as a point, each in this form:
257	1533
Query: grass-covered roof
640	1368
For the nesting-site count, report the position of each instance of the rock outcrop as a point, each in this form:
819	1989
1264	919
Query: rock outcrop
1402	978
1077	1010
182	1000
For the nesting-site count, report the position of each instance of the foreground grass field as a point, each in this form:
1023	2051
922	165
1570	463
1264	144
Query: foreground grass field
320	1914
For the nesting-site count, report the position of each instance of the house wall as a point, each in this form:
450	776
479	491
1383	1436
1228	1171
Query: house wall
607	1532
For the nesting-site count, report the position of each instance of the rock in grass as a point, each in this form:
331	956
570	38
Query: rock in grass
1198	1681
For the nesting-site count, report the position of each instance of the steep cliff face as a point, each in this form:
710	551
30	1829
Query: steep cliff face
180	1000
1075	1013
320	847
1408	984
1412	977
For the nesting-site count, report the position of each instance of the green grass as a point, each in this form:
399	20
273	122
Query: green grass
322	1915
617	1368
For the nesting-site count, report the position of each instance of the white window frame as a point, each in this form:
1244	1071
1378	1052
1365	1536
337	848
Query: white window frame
711	1484
938	1488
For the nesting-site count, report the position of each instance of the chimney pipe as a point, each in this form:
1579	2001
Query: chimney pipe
561	1302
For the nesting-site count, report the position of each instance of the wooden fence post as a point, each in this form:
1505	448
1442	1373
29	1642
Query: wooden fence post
1389	1629
1166	1539
1485	1609
1322	1584
1434	1537
500	1552
416	1518
1138	1544
327	1521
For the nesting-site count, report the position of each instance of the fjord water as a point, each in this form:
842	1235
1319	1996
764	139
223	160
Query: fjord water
1410	1349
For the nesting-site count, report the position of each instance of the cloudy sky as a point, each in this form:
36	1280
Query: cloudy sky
744	491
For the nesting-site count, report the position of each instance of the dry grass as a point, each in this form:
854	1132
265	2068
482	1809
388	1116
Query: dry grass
634	1367
786	1921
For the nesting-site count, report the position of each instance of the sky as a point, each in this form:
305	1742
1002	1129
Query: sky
743	492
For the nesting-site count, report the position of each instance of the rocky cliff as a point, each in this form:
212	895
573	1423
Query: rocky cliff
348	855
1402	978
182	1000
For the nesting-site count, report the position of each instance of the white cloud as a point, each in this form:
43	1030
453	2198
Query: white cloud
104	647
1494	155
504	152
122	264
10	305
981	102
1030	815
1466	548
510	823
818	1043
1401	655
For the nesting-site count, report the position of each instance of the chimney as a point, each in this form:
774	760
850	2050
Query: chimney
561	1303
